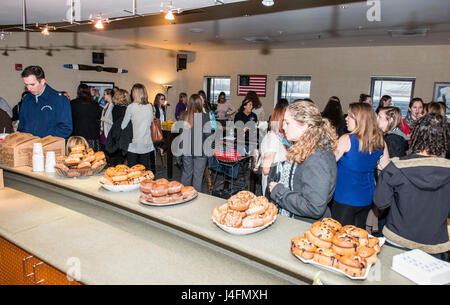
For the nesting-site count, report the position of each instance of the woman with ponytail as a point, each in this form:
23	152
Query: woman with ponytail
306	183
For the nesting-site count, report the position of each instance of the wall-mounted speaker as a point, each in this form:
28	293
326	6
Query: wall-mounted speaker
98	58
181	61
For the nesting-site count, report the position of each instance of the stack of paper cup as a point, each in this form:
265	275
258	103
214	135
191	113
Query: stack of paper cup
50	162
38	158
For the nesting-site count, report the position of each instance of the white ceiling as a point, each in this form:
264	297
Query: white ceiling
323	26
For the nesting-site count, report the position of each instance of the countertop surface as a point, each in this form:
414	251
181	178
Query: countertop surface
121	241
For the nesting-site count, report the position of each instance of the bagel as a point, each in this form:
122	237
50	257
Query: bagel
176	197
162	181
326	257
146	185
159	190
188	192
161	199
344	244
320	236
174	187
370	254
302	247
353	265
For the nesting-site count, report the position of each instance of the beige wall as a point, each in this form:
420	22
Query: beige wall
344	72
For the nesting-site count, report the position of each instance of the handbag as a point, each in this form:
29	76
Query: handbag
155	129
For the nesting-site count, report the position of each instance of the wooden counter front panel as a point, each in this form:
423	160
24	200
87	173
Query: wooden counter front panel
18	267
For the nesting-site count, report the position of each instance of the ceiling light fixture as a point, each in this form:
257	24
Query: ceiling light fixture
268	2
45	31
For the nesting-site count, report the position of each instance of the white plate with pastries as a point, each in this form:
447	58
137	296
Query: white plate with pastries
381	240
121	188
145	202
243	231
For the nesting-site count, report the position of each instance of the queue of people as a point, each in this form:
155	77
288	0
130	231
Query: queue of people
313	164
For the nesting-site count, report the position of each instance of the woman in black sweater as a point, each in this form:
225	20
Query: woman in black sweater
86	117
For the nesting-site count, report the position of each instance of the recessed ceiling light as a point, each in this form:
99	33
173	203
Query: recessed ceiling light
267	2
344	6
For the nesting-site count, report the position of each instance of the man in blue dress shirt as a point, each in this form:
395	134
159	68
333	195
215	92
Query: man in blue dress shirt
44	111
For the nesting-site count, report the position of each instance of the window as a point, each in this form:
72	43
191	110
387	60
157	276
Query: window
293	87
215	85
400	89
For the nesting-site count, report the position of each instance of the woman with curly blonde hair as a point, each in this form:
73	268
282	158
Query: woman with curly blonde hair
307	179
357	154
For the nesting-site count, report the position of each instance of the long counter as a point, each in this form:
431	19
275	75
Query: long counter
121	241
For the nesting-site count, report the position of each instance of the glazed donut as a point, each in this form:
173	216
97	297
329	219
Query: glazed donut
326	257
370	254
175	197
138	167
238	203
233	219
162	181
79	147
253	221
174	187
146	185
258	206
302	247
333	223
353	265
161	199
374	242
188	192
84	165
344	244
159	190
220	212
320	236
148	175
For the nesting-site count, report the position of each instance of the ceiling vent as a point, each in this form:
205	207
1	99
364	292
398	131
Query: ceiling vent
409	33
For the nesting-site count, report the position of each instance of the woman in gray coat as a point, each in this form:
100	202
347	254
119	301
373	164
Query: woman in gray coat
306	183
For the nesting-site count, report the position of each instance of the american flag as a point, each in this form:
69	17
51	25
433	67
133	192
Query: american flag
254	83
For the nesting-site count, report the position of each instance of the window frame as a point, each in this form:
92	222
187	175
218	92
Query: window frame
207	85
373	79
283	78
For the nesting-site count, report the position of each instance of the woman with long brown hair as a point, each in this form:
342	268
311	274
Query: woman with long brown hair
194	157
257	105
357	154
307	179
